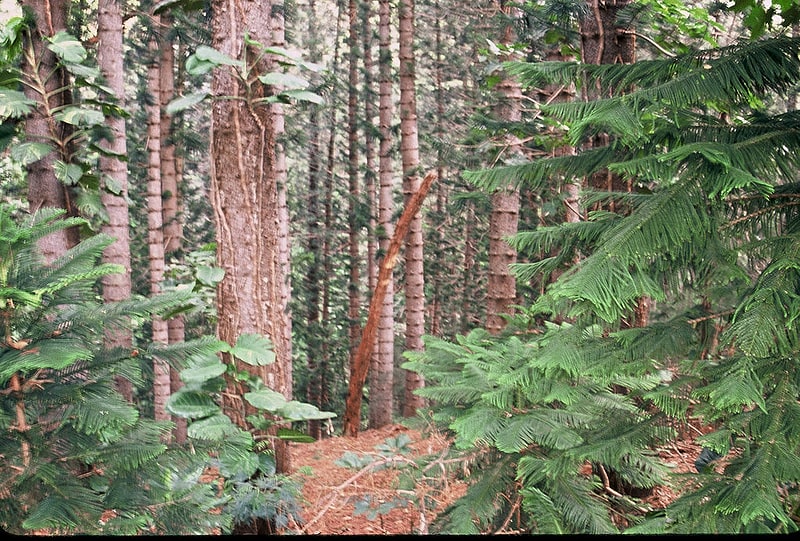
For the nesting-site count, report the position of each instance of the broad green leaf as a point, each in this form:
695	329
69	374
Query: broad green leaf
78	116
112	185
253	349
27	153
68	173
304	95
210	276
67	48
90	73
301	411
290	434
184	102
209	54
215	427
203	372
14	104
89	203
195	66
266	399
191	405
286	80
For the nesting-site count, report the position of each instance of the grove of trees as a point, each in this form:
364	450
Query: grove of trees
564	232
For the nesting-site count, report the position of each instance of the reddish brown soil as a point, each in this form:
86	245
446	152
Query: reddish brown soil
330	490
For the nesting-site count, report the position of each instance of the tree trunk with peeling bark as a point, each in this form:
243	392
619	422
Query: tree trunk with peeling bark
248	174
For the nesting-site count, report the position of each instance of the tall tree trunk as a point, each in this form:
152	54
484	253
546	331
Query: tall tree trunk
409	151
114	175
170	187
370	173
377	385
327	260
353	219
360	367
248	198
313	276
502	285
49	88
155	234
604	41
381	376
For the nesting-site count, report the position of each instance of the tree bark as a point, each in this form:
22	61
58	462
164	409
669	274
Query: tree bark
409	151
114	175
502	285
248	198
155	234
360	368
353	219
171	201
49	87
381	375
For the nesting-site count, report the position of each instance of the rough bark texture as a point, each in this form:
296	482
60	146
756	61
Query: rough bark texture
39	66
381	374
409	150
502	285
358	373
114	175
171	200
155	234
248	197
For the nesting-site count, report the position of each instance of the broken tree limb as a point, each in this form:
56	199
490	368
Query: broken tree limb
360	365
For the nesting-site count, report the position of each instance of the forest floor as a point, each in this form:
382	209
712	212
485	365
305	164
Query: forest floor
332	491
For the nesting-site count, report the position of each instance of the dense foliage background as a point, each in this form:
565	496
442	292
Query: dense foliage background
655	277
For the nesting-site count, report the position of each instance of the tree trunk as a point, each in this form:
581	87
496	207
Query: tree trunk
114	176
171	207
353	219
155	234
313	276
502	285
248	198
603	41
409	151
381	376
49	87
358	374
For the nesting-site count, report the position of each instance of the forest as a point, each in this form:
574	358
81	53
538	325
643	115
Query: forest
560	232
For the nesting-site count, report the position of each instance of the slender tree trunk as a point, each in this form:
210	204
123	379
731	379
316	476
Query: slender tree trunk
248	198
155	233
381	376
50	89
603	41
377	386
358	374
170	186
368	99
502	285
353	219
327	260
114	175
409	151
313	245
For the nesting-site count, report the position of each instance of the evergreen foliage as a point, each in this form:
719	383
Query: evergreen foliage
77	457
708	233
